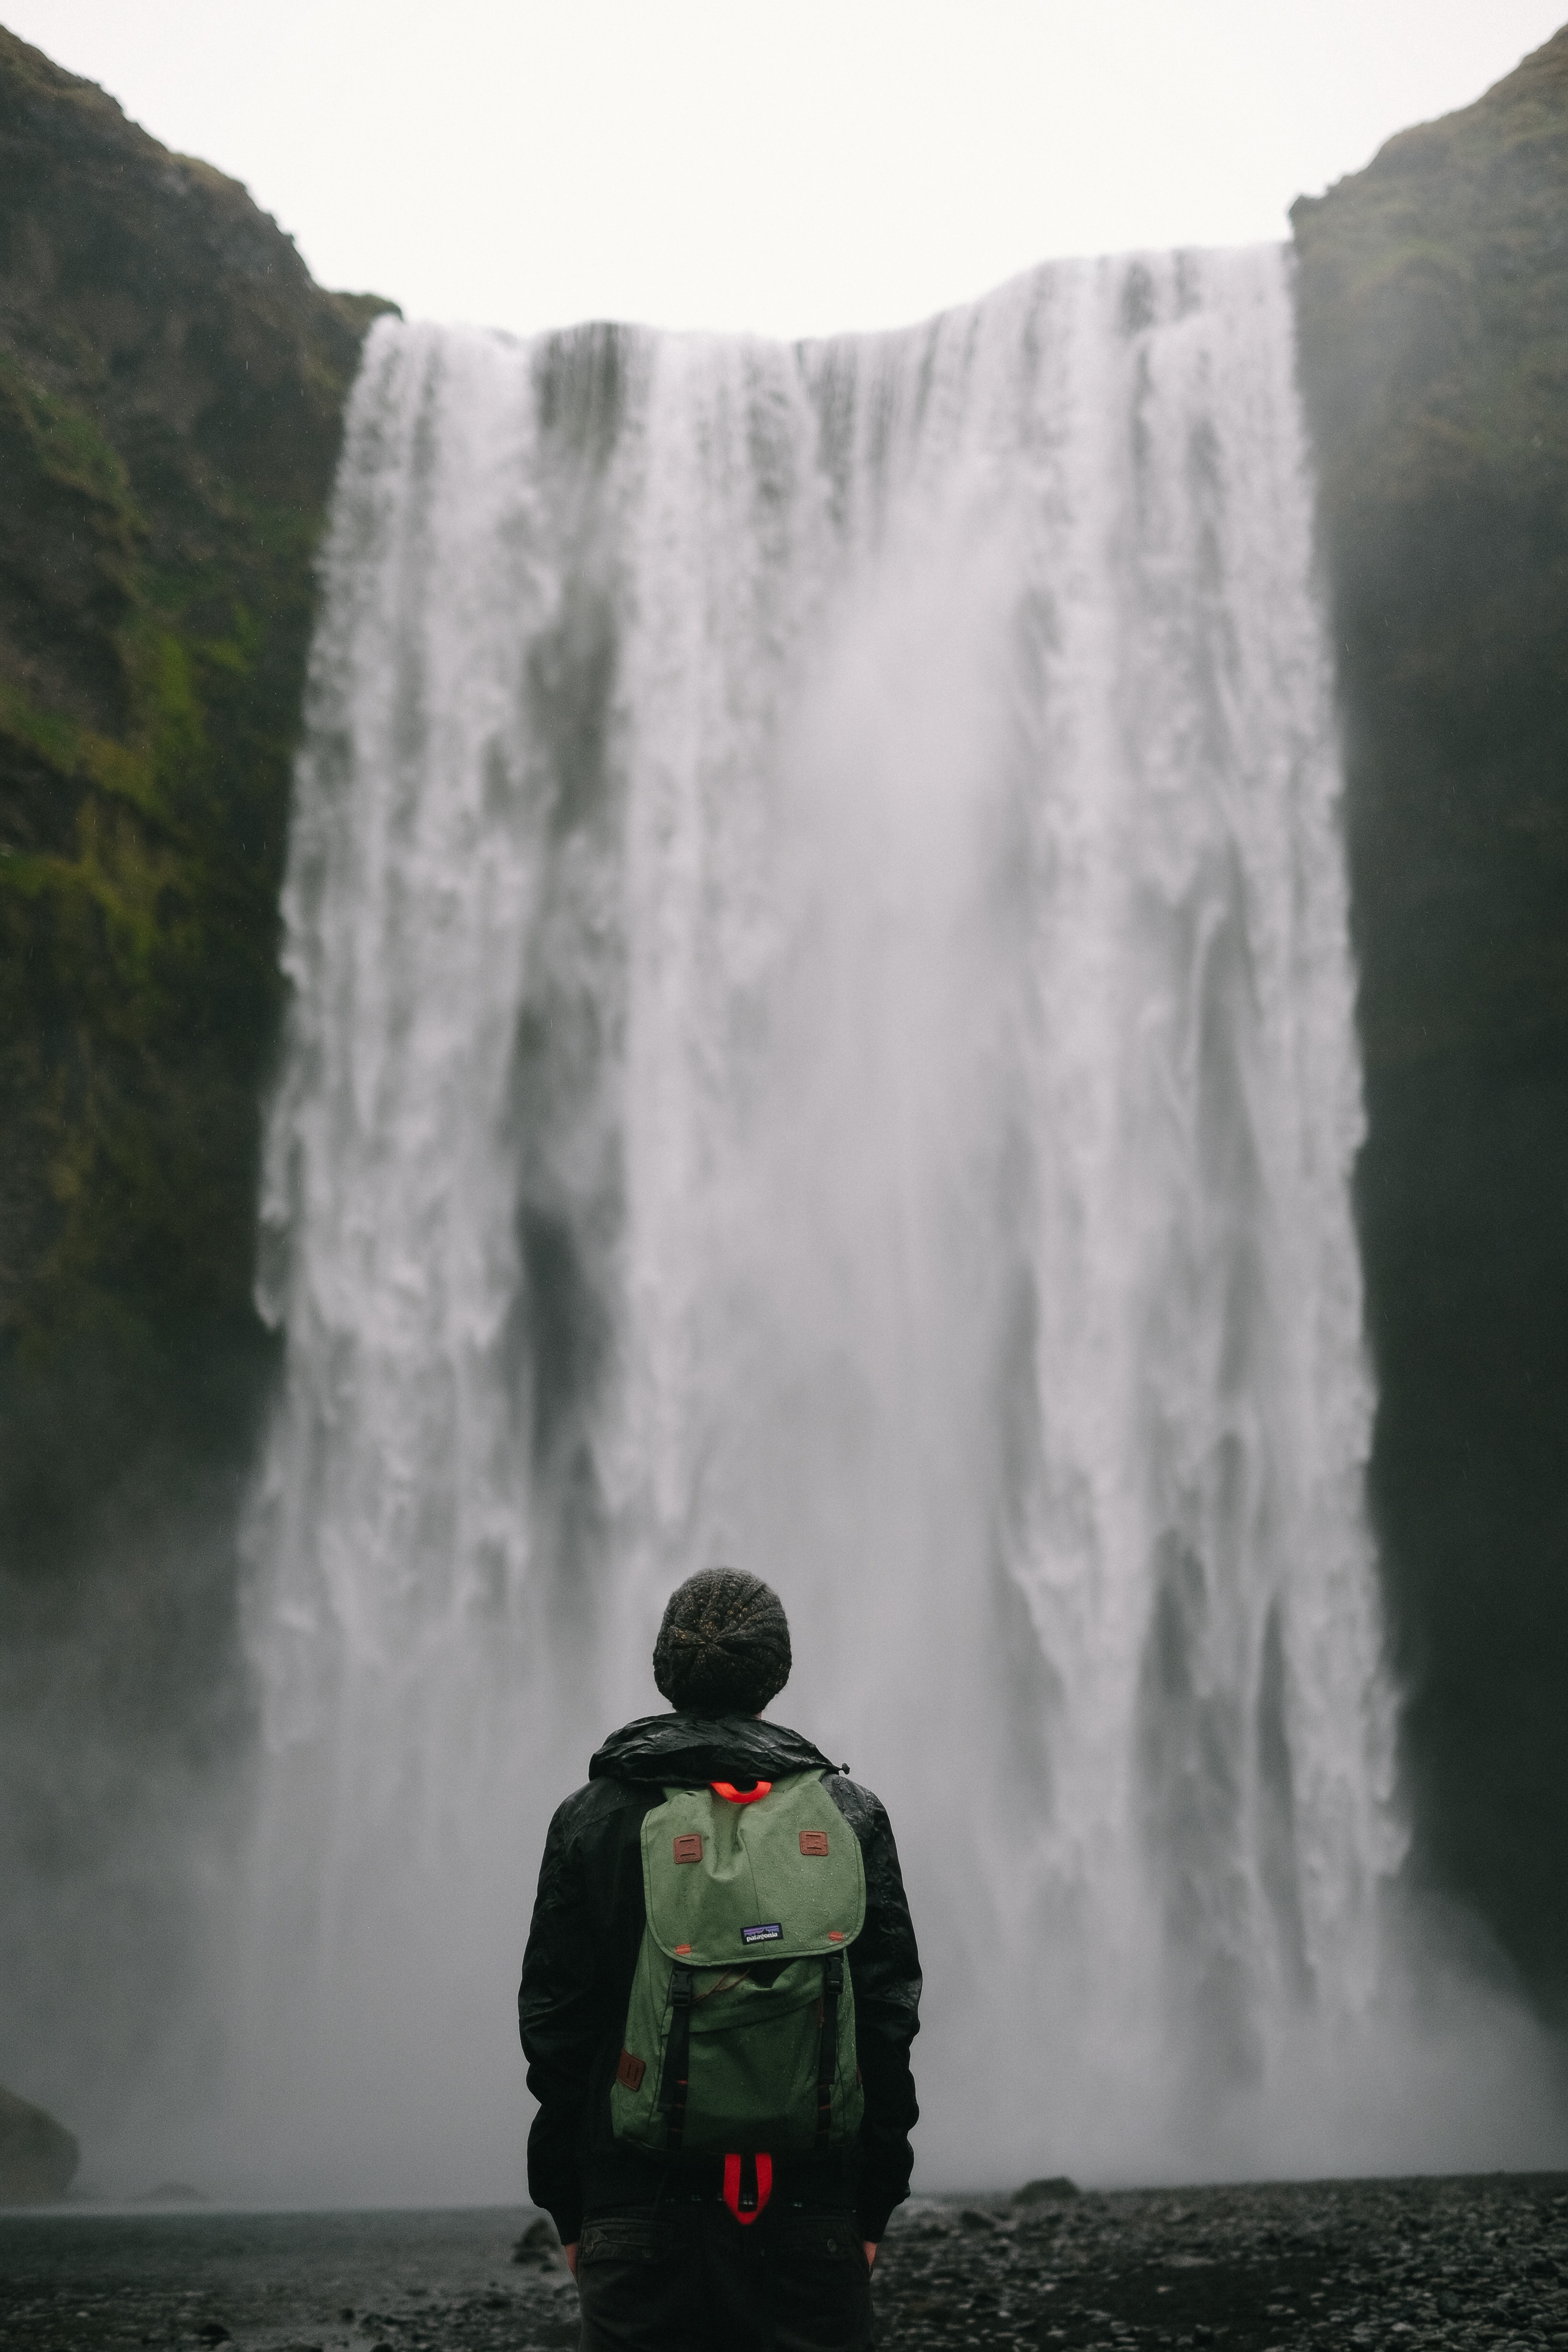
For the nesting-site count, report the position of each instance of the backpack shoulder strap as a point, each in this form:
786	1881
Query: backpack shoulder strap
677	2059
827	2045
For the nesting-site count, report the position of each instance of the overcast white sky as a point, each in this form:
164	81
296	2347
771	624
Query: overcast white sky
790	166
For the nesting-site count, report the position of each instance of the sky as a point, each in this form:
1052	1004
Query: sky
776	166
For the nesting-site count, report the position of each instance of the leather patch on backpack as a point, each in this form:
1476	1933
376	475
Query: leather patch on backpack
630	2071
813	1840
689	1848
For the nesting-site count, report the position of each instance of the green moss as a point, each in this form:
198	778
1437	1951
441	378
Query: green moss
57	739
118	771
72	452
132	929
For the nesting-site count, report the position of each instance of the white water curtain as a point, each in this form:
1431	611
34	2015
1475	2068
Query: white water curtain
822	1040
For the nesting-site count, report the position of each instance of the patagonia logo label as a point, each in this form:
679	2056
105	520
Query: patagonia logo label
813	1840
688	1849
762	1935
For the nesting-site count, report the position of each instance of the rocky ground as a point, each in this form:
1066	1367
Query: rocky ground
1392	2265
1386	2263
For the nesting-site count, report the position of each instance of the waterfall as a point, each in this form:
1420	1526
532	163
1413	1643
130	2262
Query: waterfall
821	1039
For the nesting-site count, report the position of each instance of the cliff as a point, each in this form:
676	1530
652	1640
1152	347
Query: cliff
171	386
1434	321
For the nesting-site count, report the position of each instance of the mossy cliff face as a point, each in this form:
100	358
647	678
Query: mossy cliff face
170	389
1434	313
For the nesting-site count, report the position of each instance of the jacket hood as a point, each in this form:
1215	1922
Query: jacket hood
686	1751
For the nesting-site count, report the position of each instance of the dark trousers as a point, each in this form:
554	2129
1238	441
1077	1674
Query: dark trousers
688	2278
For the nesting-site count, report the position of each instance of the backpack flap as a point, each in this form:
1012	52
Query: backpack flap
778	1880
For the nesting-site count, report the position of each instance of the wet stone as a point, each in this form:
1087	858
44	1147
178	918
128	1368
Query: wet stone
1384	2266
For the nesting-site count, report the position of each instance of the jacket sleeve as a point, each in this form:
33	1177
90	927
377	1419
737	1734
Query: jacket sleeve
557	2016
885	1969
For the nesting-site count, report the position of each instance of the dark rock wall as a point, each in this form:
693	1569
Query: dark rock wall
38	2157
1434	312
171	388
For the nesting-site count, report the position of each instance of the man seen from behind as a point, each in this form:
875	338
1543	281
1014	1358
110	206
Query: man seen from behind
719	1996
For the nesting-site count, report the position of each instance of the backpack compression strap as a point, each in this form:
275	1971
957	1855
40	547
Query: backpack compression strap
827	2048
678	2058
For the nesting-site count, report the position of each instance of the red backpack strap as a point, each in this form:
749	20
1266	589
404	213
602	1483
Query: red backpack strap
746	2208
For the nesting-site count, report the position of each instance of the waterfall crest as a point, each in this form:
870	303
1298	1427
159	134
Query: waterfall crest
822	1038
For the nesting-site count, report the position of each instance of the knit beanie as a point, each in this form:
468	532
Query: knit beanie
723	1647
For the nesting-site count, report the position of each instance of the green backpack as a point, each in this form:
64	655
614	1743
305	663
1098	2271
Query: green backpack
740	2030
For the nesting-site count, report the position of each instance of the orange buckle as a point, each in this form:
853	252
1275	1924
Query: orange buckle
733	1796
746	2208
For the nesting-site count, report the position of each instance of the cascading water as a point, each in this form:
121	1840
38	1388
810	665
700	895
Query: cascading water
822	1038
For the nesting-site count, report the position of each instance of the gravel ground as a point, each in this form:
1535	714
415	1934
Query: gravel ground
1393	2264
1387	2264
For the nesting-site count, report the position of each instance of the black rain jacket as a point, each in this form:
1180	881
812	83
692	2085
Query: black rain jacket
582	1947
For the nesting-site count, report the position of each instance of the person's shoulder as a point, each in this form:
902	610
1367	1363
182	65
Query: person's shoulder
861	1807
595	1805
